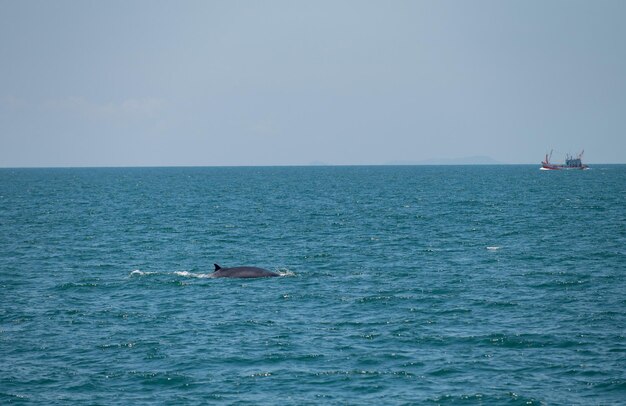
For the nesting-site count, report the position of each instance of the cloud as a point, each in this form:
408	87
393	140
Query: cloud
141	108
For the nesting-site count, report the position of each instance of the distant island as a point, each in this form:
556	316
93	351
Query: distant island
318	163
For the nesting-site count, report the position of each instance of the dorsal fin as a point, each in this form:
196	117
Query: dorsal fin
217	267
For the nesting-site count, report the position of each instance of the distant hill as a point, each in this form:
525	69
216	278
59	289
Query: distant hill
318	163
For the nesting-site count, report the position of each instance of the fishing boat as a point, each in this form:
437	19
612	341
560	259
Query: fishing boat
571	162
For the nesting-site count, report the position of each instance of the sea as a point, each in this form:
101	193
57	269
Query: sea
399	285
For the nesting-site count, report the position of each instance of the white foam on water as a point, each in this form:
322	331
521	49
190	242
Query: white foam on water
193	275
494	248
137	272
285	272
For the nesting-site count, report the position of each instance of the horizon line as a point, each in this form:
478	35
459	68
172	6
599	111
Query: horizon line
274	166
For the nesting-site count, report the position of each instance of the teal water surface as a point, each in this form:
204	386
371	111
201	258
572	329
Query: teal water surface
400	285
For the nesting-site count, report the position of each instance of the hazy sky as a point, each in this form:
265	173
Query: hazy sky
127	83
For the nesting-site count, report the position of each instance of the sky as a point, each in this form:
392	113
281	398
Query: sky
212	83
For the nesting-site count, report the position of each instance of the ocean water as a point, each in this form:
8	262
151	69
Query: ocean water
400	285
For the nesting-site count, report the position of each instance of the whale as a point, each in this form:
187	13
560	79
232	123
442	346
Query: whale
242	272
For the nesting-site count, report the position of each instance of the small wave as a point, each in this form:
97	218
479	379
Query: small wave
137	272
193	275
13	396
261	374
74	285
493	248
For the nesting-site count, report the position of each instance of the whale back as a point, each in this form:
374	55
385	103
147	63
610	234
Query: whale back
242	272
